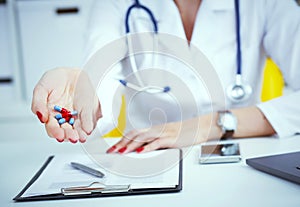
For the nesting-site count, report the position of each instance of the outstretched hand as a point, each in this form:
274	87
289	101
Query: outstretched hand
71	89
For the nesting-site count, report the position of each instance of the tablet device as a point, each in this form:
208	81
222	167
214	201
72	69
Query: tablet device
286	166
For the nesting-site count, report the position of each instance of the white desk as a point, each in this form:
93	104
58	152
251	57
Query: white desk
24	146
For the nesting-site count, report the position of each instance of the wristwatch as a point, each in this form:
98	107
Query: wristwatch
228	123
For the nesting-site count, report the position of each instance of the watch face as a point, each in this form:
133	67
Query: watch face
228	121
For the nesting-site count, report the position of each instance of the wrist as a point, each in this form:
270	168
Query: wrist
209	127
227	121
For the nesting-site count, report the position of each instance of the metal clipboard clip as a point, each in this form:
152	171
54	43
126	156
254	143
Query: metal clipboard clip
95	187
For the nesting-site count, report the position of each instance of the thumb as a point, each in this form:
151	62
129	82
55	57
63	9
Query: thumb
89	118
39	103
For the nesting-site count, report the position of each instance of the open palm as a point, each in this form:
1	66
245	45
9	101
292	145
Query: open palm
71	89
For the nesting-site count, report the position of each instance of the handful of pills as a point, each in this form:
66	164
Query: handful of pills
65	115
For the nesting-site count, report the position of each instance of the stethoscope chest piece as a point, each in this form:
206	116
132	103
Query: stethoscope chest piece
239	91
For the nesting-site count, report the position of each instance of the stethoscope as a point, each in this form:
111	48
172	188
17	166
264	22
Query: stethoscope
239	91
141	87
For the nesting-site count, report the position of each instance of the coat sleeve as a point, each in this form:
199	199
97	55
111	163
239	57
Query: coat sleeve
281	42
105	25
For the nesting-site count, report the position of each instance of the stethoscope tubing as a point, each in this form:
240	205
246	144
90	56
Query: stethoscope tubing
233	90
140	87
147	10
147	89
238	38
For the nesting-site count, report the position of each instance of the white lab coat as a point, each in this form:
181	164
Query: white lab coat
268	28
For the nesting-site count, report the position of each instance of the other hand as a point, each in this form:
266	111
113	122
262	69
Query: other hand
170	135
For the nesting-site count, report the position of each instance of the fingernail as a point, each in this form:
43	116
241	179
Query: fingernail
122	149
138	150
110	150
82	140
73	140
40	116
60	140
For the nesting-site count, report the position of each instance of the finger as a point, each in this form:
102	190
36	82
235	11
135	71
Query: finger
133	146
138	142
39	103
81	134
154	145
87	121
53	129
121	145
98	113
89	117
86	101
70	133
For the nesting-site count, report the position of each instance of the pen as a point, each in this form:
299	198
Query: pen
87	169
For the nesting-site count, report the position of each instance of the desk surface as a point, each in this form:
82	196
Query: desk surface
24	146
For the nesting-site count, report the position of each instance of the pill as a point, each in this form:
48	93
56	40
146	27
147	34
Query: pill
58	116
64	115
57	108
67	119
71	121
74	113
64	111
61	121
60	109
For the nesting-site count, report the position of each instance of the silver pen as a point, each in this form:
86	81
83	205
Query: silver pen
87	169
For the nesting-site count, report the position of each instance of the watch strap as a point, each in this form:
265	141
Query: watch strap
227	134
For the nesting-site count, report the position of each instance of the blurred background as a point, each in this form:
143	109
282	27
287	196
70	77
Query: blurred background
36	36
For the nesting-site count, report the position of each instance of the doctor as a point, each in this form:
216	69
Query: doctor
235	35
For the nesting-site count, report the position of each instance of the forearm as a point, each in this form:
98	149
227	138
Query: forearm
251	122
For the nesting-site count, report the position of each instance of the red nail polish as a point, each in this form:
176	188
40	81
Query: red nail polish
111	149
60	140
82	140
122	149
138	150
40	116
73	141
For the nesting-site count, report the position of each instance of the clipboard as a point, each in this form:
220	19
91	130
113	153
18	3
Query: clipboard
95	189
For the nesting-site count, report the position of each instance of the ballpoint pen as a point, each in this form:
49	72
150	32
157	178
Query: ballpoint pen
87	169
